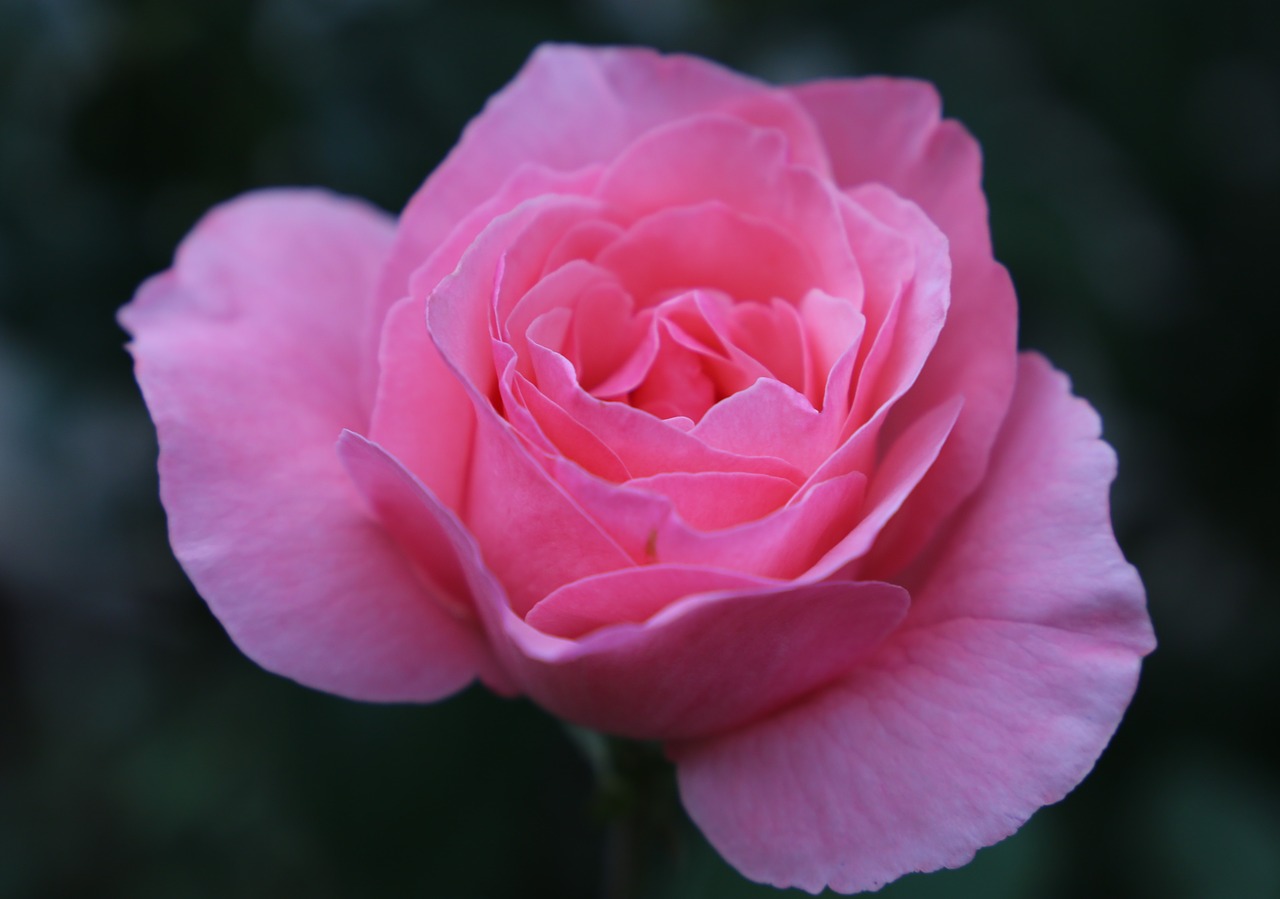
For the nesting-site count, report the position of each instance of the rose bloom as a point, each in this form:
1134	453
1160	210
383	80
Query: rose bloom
689	407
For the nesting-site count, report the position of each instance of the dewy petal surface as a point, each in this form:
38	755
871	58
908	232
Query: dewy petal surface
247	352
994	698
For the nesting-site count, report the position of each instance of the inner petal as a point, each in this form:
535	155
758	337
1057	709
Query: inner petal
772	335
708	246
677	384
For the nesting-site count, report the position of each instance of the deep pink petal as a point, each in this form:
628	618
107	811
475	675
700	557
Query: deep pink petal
248	353
570	439
677	385
534	535
563	289
833	331
996	696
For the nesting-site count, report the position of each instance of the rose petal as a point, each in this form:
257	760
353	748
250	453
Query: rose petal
402	270
646	445
718	159
504	262
629	596
772	419
784	544
944	743
536	537
571	440
712	500
423	415
994	698
600	100
1048	487
702	664
906	270
708	662
709	245
905	463
248	353
889	131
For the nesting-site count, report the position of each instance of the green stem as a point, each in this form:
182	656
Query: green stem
636	800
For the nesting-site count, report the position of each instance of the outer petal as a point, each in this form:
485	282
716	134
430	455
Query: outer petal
599	99
1013	669
725	649
247	352
889	131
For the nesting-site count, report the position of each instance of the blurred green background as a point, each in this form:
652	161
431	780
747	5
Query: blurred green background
1133	166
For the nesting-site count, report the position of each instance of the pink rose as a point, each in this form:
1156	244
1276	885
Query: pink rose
689	407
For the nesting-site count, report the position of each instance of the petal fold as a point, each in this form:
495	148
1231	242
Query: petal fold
248	354
995	697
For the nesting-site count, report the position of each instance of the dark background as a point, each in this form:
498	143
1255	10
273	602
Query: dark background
1133	167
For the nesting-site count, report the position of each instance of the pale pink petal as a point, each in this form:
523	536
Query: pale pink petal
889	131
248	353
1036	546
994	698
946	742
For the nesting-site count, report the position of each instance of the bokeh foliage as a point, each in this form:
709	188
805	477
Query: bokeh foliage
1133	167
